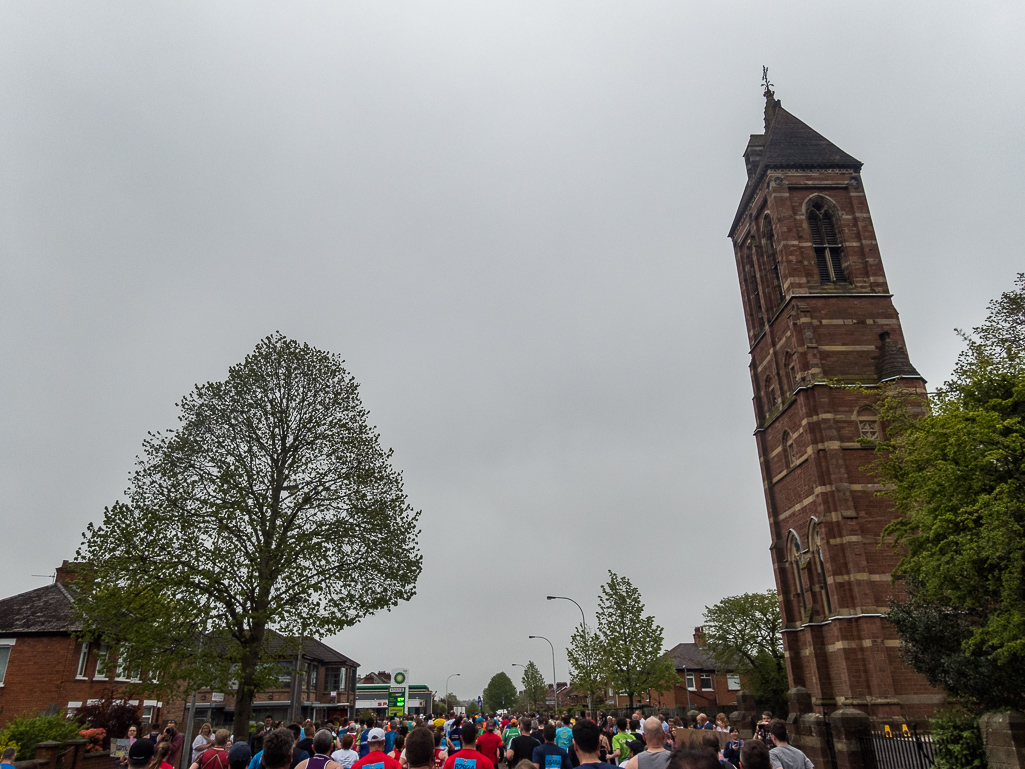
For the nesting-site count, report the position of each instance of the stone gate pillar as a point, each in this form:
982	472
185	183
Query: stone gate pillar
1004	737
851	732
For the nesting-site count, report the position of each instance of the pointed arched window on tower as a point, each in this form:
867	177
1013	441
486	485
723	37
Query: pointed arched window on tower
819	563
794	557
826	242
769	246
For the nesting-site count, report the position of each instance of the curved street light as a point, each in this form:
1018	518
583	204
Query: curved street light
446	686
587	646
555	680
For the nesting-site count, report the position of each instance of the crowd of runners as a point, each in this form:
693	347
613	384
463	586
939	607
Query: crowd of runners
525	741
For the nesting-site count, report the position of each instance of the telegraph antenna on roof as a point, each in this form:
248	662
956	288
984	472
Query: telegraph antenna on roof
765	82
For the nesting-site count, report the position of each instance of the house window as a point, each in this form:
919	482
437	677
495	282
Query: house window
101	662
313	677
72	709
789	450
5	656
824	239
706	681
733	682
83	660
147	714
332	679
690	682
868	424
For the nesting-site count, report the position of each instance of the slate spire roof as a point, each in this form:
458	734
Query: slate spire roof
894	361
787	143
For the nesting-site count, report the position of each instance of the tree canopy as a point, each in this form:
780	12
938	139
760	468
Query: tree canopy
956	475
534	687
629	643
272	509
499	694
585	672
744	635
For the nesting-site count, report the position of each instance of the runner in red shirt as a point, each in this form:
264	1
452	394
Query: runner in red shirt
490	743
468	757
376	758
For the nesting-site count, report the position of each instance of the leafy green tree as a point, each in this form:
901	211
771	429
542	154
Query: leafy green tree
472	708
584	671
272	507
500	693
629	644
534	687
956	475
27	731
744	635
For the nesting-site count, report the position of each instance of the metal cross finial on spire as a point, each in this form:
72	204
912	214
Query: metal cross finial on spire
765	82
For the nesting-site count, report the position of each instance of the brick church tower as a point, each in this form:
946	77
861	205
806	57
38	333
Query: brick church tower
819	311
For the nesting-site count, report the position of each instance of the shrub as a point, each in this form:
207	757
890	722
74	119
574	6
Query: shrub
114	716
94	739
28	731
958	741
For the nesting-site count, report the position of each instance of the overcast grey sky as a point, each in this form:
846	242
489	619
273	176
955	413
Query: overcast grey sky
510	219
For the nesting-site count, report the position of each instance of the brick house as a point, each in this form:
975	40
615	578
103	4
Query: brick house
43	667
701	687
327	683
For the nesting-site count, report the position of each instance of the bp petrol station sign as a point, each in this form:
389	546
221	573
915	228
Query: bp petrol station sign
398	692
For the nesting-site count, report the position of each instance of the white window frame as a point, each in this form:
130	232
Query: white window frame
711	682
5	646
101	673
83	663
733	682
691	681
73	708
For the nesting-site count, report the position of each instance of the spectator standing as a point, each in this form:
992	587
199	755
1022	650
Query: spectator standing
784	755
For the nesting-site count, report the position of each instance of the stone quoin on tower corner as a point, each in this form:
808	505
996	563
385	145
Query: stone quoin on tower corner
819	312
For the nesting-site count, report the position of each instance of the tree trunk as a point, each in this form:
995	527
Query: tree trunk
247	683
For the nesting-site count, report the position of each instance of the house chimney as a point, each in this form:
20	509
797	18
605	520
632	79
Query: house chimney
699	636
65	573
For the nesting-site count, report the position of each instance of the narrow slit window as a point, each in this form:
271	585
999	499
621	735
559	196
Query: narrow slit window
769	245
789	451
826	242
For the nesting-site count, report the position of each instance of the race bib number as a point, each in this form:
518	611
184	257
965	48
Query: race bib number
466	763
553	762
378	765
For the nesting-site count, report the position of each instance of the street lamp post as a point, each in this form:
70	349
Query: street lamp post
555	680
454	675
587	646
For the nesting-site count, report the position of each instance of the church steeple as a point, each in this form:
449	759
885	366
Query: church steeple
819	312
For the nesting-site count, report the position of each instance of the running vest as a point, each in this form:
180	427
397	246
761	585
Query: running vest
319	761
659	760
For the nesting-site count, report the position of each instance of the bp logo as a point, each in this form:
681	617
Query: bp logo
400	677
